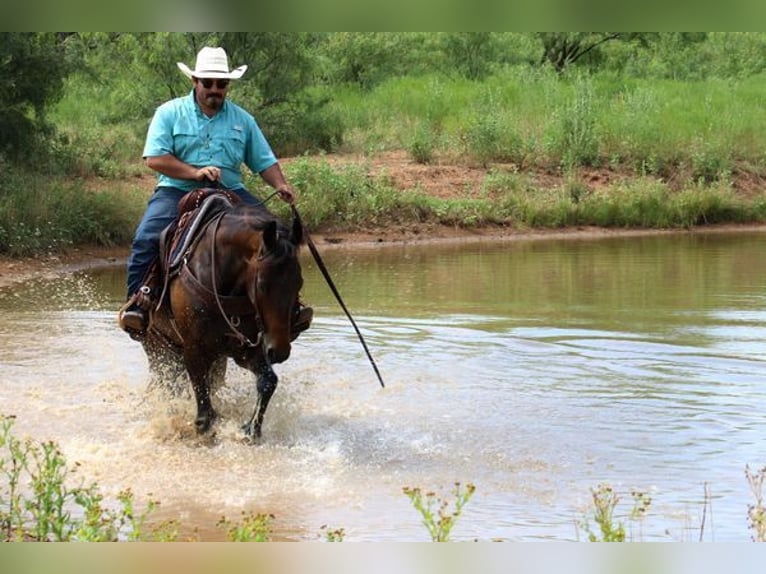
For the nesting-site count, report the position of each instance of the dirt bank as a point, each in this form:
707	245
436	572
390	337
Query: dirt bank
51	266
440	179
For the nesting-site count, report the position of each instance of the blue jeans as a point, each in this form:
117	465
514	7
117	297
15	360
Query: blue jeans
161	211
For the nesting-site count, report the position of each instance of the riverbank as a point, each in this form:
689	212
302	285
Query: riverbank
89	257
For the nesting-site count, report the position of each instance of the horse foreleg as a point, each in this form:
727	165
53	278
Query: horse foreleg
266	384
200	375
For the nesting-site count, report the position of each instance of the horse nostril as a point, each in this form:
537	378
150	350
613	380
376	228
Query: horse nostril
278	356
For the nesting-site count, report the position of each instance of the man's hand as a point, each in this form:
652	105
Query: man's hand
275	178
286	193
208	172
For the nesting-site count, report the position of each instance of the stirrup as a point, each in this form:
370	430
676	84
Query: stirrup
133	317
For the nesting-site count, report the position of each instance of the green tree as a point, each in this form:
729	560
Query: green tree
33	67
132	73
560	49
368	58
471	53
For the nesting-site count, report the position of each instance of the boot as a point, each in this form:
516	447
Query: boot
134	319
134	316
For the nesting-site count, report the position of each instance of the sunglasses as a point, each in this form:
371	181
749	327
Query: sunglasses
208	83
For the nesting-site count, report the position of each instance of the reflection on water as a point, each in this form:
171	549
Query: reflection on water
534	369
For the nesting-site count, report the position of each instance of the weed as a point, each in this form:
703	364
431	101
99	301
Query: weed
605	501
333	535
756	513
421	145
37	504
434	510
254	527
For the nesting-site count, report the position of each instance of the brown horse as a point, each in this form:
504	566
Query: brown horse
234	296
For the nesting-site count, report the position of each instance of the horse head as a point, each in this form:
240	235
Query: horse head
275	286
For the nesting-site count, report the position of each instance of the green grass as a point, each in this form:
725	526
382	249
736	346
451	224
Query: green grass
678	147
41	215
536	118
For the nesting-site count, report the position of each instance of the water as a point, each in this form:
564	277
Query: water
535	370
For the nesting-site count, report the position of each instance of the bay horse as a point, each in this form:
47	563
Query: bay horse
233	296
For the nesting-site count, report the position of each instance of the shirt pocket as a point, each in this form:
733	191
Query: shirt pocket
233	143
186	144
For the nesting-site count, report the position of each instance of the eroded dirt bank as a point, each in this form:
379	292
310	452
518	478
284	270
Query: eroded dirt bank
18	270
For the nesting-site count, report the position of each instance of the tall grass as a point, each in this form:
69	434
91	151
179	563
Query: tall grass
40	215
537	118
678	146
337	196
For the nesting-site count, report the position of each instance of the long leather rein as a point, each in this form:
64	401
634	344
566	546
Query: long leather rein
243	339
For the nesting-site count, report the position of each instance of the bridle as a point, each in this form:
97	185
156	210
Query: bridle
233	323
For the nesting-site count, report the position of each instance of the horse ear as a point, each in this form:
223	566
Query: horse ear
270	235
296	234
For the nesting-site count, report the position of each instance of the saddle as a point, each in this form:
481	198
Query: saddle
196	210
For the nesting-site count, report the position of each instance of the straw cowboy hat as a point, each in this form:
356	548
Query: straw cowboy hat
212	63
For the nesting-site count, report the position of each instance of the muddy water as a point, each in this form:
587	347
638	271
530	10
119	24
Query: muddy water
534	369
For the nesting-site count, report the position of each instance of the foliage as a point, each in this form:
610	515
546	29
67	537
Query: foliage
334	534
253	527
756	513
434	510
342	196
365	59
658	108
38	504
33	68
470	53
41	215
561	49
605	501
421	145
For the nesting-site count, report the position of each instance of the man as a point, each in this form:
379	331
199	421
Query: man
192	141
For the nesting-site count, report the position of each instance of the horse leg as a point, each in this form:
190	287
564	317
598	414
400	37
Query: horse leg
199	369
266	384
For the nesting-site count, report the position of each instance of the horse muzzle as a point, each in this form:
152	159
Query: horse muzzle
276	353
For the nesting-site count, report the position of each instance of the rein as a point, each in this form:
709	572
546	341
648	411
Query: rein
331	284
240	336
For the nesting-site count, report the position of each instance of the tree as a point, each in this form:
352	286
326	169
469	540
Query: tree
33	67
366	59
471	53
561	49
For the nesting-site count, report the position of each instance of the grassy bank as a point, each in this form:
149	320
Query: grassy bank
674	154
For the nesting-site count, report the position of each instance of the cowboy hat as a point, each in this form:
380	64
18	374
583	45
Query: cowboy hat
212	63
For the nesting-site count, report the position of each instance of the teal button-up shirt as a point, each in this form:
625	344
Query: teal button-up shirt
227	140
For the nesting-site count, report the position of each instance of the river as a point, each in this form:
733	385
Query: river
534	369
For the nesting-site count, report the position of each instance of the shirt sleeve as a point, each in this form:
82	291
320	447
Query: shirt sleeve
258	153
159	136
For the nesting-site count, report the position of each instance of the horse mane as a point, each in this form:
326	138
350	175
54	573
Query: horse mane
258	217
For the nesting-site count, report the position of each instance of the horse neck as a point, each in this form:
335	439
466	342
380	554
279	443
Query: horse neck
228	255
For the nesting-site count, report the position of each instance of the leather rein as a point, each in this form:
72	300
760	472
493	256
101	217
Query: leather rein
230	307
